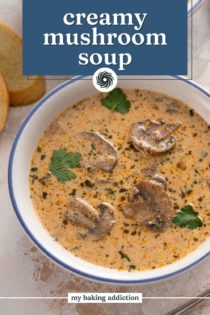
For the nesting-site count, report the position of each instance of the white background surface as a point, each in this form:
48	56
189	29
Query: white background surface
24	271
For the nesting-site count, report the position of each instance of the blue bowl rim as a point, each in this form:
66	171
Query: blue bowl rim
33	238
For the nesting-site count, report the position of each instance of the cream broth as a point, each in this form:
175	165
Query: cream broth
186	168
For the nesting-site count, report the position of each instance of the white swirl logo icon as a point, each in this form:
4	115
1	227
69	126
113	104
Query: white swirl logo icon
105	80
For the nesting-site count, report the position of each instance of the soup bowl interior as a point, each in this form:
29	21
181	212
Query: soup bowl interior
26	141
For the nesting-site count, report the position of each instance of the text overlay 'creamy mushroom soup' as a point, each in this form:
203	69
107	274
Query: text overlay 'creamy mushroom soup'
122	180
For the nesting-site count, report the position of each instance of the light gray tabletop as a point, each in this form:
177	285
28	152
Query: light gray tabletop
24	271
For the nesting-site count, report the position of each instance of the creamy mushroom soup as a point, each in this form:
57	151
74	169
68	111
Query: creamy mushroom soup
122	180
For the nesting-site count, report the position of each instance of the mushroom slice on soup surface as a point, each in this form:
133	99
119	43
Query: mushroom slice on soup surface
98	222
82	213
56	128
149	205
153	136
105	221
159	180
106	155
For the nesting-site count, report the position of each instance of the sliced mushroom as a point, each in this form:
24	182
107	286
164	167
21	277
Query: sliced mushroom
82	213
149	205
152	136
106	157
159	180
98	222
105	222
55	128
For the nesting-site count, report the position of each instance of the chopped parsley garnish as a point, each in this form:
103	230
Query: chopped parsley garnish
132	268
122	190
123	255
73	192
44	195
110	191
191	112
33	178
87	183
93	147
117	101
187	217
202	156
34	169
61	161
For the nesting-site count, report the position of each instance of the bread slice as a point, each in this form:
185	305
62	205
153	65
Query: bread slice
22	91
4	103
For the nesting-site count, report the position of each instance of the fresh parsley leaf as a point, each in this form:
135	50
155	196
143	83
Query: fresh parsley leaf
61	161
187	217
117	101
63	175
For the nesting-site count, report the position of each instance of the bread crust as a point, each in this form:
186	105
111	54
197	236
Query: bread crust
4	102
30	94
26	94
